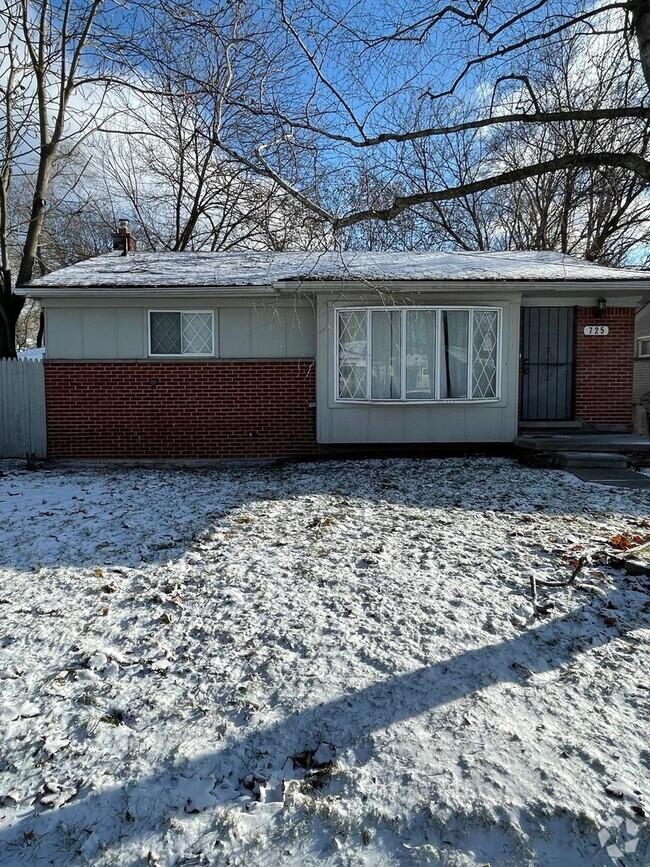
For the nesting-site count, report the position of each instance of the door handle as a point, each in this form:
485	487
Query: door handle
524	365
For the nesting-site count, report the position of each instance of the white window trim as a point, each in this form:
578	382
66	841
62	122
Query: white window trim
180	354
346	401
639	342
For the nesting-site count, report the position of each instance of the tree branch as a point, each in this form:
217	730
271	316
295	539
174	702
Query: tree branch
631	161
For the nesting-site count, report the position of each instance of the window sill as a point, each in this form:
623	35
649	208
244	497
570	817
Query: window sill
454	401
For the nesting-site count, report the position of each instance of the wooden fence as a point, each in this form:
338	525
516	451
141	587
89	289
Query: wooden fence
22	408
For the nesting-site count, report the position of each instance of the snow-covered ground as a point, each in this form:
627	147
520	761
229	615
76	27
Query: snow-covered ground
331	663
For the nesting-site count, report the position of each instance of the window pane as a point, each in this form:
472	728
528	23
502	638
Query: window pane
165	333
386	354
197	333
484	366
420	354
455	338
353	347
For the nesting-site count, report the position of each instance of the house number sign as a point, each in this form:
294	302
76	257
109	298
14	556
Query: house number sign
596	330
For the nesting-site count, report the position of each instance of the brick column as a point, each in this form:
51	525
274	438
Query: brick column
605	368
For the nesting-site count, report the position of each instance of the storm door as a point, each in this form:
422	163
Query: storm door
547	363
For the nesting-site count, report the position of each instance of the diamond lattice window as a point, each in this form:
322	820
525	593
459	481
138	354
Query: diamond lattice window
165	333
181	333
353	355
484	367
196	333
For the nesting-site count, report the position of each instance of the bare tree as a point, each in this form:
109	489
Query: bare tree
182	193
164	163
338	97
52	86
600	213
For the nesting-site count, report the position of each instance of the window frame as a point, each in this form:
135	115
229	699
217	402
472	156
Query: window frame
181	312
639	343
404	309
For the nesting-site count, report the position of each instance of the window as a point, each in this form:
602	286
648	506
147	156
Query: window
417	353
643	347
174	332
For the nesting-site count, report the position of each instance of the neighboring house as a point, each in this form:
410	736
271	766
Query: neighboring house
255	354
642	357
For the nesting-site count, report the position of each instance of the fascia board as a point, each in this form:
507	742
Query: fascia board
482	287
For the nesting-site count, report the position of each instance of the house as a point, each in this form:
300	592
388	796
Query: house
642	357
255	354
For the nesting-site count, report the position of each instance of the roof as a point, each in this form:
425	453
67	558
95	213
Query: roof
265	269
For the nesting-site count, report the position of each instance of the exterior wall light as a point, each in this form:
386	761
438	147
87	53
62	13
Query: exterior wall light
601	307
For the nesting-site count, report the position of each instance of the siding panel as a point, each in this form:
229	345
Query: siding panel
99	333
269	332
235	332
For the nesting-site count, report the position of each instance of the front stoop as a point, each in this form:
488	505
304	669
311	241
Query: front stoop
599	458
541	450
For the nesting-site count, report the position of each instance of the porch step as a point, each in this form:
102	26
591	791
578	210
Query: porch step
602	460
550	427
541	449
600	442
626	478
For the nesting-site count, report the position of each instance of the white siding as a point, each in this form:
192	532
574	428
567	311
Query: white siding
119	330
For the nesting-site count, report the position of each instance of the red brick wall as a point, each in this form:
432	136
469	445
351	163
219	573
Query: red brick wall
605	368
193	409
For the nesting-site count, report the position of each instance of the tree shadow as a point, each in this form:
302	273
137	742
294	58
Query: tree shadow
123	517
137	811
134	506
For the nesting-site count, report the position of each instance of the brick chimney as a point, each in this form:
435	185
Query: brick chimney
123	240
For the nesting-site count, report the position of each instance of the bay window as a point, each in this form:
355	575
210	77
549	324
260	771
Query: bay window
417	353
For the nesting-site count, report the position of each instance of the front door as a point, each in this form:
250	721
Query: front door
547	363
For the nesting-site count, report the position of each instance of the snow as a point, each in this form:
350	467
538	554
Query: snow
329	663
251	268
32	354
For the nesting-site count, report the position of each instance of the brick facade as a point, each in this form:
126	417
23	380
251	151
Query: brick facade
605	368
188	409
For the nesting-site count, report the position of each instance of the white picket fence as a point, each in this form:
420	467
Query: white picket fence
22	408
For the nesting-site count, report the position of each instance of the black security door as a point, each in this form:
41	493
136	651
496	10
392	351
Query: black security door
547	363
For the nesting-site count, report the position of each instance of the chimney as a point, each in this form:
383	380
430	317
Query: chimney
123	240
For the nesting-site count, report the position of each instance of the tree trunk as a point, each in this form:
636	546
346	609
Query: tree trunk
41	331
36	217
641	24
10	307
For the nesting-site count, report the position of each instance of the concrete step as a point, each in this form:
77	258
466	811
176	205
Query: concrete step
609	460
616	478
540	450
626	443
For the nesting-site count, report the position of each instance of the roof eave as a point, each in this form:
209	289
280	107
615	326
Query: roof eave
546	286
38	292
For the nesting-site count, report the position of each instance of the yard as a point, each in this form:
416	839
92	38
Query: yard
332	663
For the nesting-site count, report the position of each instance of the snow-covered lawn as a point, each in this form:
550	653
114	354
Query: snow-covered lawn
332	663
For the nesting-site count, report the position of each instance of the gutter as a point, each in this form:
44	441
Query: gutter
313	287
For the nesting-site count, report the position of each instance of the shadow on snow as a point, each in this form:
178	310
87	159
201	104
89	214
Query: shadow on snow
345	722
